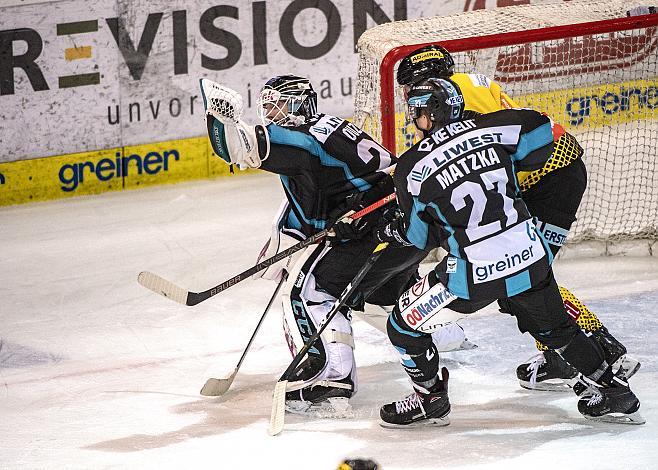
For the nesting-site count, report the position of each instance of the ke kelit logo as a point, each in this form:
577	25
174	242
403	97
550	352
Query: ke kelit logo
576	56
72	175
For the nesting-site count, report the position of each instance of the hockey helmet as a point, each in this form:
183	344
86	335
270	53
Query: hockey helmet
431	61
287	100
441	99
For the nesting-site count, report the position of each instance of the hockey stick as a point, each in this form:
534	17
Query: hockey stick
217	387
170	290
279	397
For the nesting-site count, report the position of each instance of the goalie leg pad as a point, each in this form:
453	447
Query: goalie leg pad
305	306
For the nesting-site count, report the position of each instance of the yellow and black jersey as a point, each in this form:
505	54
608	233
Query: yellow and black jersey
483	95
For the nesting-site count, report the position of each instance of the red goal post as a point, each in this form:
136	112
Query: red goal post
598	78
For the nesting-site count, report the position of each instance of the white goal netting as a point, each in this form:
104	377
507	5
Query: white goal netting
584	63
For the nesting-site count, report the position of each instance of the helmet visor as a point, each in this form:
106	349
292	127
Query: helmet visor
417	104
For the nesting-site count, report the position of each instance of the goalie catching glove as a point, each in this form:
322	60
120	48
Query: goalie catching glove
233	140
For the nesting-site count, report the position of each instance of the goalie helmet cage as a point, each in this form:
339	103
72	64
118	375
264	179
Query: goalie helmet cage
585	64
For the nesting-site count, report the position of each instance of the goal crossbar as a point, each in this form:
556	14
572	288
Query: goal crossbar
388	84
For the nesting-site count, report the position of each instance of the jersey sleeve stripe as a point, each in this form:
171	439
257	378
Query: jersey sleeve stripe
282	136
531	141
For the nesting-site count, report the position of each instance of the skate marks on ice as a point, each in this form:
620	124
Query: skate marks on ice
486	426
17	356
248	403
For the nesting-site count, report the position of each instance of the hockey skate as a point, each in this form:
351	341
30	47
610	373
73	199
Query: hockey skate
546	371
421	408
615	354
613	404
549	372
323	399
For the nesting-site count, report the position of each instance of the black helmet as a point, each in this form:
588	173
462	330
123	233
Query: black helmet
440	98
287	100
427	62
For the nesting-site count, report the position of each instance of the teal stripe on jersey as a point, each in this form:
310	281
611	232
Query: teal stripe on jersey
418	230
402	330
282	136
533	140
458	281
292	217
518	283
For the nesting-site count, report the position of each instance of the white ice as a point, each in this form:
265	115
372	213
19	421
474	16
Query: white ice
98	372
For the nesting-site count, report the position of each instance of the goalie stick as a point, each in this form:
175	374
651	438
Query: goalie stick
168	289
217	387
279	396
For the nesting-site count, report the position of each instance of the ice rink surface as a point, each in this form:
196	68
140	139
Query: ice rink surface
97	372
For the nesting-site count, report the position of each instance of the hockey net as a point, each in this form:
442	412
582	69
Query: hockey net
584	63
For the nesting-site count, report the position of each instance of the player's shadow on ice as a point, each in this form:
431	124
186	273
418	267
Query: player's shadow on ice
247	402
498	428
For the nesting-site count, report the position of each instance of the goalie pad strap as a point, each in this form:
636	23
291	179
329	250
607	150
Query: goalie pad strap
292	386
334	336
329	383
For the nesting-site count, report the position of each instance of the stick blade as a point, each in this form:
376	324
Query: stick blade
217	387
161	286
278	408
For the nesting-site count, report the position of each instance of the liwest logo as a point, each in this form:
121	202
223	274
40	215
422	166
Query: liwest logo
72	175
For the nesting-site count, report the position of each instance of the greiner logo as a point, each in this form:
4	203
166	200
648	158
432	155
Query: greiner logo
72	175
482	273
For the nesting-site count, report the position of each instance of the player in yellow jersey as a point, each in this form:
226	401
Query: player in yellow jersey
552	194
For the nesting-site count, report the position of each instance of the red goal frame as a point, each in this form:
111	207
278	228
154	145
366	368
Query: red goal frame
387	67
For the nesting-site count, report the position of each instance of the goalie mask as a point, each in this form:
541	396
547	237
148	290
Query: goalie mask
427	62
287	100
440	99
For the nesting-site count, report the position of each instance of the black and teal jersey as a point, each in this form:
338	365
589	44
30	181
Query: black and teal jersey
321	163
457	188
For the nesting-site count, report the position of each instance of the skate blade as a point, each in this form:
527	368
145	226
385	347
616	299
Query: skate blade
423	423
564	385
338	407
619	418
626	367
465	345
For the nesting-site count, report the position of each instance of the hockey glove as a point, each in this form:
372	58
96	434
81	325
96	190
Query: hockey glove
392	232
348	229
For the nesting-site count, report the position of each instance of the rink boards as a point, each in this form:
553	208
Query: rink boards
604	107
113	169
